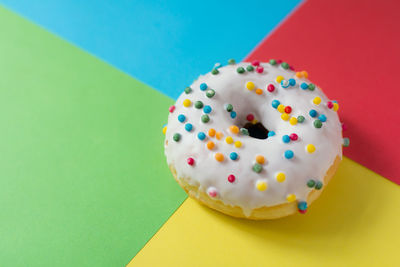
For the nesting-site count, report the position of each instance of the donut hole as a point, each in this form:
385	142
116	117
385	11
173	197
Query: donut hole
257	130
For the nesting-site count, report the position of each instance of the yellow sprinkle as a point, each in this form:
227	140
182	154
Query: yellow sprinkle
219	157
281	108
285	116
234	129
299	75
260	159
211	132
310	148
291	197
293	121
238	144
187	103
229	140
164	130
261	185
254	121
280	177
305	74
279	79
335	106
250	85
317	100
259	91
219	135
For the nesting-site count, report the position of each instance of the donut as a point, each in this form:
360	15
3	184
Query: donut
254	140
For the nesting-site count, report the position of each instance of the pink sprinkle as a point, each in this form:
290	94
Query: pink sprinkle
190	161
250	117
302	211
293	137
279	61
291	67
260	69
344	127
255	63
270	88
231	178
329	104
171	109
212	192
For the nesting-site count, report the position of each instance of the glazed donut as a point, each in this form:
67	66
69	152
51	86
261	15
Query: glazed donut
254	140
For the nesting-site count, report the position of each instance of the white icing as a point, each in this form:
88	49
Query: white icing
230	88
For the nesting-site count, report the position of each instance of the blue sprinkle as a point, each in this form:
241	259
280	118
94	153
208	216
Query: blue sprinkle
334	101
304	86
289	154
313	113
292	82
275	103
286	138
302	205
188	127
285	84
181	118
203	86
233	156
201	135
271	133
233	114
207	109
322	118
346	142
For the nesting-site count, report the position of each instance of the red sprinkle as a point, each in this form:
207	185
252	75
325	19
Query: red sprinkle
260	69
255	63
171	109
288	109
250	117
302	211
279	61
212	193
329	104
190	161
231	178
291	67
270	88
293	137
344	127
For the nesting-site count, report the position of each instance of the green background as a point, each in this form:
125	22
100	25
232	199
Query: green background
83	176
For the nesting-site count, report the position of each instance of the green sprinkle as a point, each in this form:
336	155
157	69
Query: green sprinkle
244	131
176	137
300	119
240	70
249	68
285	65
257	168
272	61
317	124
231	61
311	87
210	93
311	183
346	142
198	104
214	71
228	107
188	90
318	185
205	118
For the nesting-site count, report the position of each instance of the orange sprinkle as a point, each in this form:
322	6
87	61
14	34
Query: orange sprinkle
260	159
219	157
305	74
219	135
299	74
211	132
234	129
210	145
259	91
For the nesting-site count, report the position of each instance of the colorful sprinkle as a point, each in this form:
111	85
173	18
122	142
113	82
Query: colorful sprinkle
280	177
219	157
289	154
260	159
300	119
207	109
260	69
285	65
210	145
304	86
270	88
279	79
214	71
317	124
293	121
311	183
201	136
229	140
285	116
203	86
188	127
259	91
240	70
228	107
272	62
212	192
291	197
286	138
188	90
318	185
285	83
164	130
313	113
310	148
302	205
250	117
346	142
187	103
257	167
231	61
205	118
238	144
261	185
281	108
322	118
244	131
190	161
275	103
181	118
198	104
250	86
288	109
219	135
311	87
210	93
292	82
335	106
249	68
233	114
233	156
317	100
271	133
211	132
231	178
176	137
234	129
171	109
305	74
